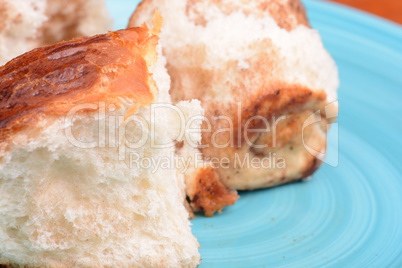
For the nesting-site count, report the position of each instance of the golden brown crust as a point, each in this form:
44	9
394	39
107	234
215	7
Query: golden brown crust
52	80
210	194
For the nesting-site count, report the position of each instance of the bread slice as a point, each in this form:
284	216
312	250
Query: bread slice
27	24
264	79
73	117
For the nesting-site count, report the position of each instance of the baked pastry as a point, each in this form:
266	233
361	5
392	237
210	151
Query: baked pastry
74	191
266	83
27	24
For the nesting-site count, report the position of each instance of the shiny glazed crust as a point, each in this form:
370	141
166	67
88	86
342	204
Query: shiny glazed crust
111	67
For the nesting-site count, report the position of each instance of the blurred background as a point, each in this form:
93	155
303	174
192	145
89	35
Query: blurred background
389	9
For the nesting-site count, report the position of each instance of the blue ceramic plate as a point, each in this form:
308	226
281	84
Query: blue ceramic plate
349	215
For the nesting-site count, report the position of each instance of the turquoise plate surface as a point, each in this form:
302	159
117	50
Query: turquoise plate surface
346	216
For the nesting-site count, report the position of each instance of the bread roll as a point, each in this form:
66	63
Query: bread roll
266	83
72	117
27	24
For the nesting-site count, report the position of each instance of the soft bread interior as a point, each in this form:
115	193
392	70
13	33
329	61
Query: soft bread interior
63	205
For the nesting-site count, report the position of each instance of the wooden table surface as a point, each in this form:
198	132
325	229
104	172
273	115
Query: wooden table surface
389	9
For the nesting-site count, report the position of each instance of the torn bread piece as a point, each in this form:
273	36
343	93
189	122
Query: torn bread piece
265	80
74	184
